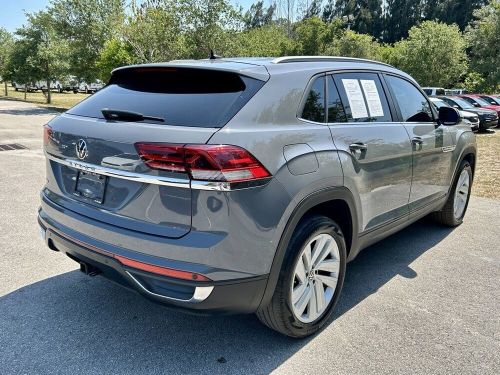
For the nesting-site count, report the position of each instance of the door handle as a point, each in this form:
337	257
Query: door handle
417	141
357	147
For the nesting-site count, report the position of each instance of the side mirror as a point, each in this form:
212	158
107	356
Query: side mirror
449	116
476	104
456	106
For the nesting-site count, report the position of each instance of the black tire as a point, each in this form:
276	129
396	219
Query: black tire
447	215
278	314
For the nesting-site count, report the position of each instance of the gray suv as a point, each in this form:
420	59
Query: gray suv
246	185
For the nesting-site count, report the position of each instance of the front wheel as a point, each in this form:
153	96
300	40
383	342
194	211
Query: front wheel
310	280
454	210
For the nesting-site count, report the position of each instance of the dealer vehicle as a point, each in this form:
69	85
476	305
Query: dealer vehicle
246	185
431	91
479	102
471	118
492	99
487	117
89	87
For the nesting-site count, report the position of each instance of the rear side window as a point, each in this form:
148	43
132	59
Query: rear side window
335	108
440	92
413	105
363	97
180	96
314	107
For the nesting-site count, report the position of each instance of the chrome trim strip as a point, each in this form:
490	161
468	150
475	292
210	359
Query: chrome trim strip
156	180
201	293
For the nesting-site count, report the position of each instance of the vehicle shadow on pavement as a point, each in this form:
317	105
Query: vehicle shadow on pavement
30	111
72	323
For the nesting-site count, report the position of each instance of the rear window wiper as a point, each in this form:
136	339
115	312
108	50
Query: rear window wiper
120	115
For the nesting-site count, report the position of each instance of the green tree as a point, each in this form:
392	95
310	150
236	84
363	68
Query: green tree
86	25
258	15
352	44
6	44
452	11
401	15
115	53
268	40
483	38
45	52
313	35
367	14
154	32
434	54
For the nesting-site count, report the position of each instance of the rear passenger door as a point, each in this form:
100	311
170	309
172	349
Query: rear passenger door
432	143
374	148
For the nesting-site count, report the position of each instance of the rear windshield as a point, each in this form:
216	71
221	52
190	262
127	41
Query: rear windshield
180	96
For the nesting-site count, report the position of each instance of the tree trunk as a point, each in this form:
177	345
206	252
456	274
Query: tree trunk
25	90
6	92
49	99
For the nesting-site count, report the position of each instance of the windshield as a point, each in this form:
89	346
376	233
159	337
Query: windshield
481	102
464	104
491	100
439	103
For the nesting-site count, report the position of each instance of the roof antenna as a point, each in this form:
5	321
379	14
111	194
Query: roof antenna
213	56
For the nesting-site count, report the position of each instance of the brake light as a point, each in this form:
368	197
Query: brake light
47	134
223	163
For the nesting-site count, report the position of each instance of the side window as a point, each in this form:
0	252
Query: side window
413	105
314	107
363	97
334	106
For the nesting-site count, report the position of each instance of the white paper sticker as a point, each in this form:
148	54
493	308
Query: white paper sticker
355	97
372	98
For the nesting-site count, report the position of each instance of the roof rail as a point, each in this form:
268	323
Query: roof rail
294	59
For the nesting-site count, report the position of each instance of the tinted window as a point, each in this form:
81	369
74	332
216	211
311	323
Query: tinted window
428	91
363	97
439	92
314	107
413	105
460	102
335	108
184	97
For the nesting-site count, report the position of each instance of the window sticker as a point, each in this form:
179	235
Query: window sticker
355	97
372	98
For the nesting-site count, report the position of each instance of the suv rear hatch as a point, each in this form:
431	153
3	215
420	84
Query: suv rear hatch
94	167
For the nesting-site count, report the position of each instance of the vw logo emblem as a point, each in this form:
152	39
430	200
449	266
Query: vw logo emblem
81	149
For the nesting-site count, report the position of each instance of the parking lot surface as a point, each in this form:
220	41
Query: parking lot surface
426	300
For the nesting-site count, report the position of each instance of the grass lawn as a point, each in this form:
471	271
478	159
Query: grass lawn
60	101
487	174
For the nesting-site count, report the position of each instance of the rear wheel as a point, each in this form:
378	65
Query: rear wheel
310	280
454	210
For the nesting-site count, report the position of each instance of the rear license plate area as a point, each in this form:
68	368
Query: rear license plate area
91	186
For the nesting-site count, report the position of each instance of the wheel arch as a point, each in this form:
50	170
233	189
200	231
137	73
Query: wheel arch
335	203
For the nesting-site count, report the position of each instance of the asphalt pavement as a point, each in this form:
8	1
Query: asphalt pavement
425	300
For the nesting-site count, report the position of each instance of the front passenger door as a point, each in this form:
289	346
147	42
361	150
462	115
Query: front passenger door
432	143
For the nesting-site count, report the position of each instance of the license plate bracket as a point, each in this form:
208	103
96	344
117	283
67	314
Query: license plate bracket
91	186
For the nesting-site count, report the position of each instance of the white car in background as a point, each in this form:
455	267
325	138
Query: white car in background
471	118
90	87
432	91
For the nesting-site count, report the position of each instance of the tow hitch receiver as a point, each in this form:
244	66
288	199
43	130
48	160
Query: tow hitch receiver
88	269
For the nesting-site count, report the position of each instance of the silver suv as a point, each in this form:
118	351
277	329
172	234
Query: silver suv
246	185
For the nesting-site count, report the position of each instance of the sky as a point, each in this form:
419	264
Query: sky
12	11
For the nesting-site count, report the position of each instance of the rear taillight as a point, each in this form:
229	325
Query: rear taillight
47	134
222	163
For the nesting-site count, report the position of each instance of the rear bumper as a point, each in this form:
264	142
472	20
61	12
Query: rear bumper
206	297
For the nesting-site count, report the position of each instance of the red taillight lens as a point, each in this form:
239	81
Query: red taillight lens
203	162
47	134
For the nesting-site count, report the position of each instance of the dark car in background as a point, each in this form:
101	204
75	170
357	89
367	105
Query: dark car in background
487	117
479	102
470	117
492	99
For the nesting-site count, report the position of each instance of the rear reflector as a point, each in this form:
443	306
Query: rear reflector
47	134
185	275
222	163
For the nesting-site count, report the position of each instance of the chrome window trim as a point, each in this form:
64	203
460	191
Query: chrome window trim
156	180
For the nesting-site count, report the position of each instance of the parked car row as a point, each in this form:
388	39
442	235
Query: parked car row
480	110
71	84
